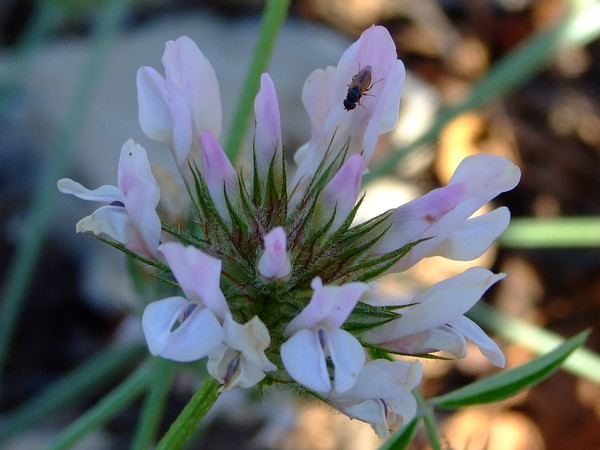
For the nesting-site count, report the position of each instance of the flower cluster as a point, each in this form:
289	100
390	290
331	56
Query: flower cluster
274	271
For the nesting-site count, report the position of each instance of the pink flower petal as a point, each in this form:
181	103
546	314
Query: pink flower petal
275	262
348	358
112	221
106	193
475	236
324	92
141	195
198	275
329	306
194	76
475	334
198	335
440	304
219	174
153	108
304	359
267	137
341	192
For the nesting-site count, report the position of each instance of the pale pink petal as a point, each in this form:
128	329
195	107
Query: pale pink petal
112	221
348	358
391	108
141	194
475	334
267	137
188	69
382	395
106	193
219	174
275	262
198	275
372	411
486	176
341	192
475	236
251	339
324	92
329	307
318	96
419	219
443	338
304	359
153	107
198	335
438	305
182	131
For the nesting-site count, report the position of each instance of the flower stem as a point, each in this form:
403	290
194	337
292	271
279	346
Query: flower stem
191	416
154	403
272	19
428	421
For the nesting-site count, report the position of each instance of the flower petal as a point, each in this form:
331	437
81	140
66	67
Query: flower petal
198	274
475	236
341	192
357	130
426	217
475	334
153	108
105	194
189	70
348	358
479	178
329	306
251	339
198	335
141	195
304	359
267	136
219	174
441	303
443	338
275	262
113	221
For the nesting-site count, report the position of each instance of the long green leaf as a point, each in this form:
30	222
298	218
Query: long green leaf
76	386
510	382
402	438
154	403
564	232
105	409
583	362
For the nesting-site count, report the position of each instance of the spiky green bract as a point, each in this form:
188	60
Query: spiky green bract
234	230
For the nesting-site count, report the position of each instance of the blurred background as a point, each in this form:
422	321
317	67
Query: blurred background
67	94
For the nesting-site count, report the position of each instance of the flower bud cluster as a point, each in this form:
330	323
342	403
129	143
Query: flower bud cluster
274	273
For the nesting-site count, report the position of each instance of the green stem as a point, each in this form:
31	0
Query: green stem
74	387
162	371
560	232
21	270
191	416
428	421
105	409
582	362
272	19
578	28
